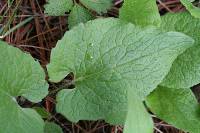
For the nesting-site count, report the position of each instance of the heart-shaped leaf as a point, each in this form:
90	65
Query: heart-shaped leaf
107	56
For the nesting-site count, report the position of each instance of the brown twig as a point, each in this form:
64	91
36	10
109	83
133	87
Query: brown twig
38	30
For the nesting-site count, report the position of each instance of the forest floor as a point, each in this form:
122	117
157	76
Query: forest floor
39	35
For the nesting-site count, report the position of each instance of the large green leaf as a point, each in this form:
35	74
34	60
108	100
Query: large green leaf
185	71
195	11
20	75
138	120
107	56
58	7
140	12
100	6
79	15
177	107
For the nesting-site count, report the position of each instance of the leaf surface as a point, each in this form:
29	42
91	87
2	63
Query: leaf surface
58	7
107	56
185	71
100	6
138	120
140	12
195	11
20	75
177	107
79	15
42	112
51	127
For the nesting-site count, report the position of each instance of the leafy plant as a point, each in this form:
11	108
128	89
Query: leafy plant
79	13
118	64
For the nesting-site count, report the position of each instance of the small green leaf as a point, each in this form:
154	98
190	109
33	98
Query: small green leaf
140	12
185	71
51	127
138	120
58	7
100	6
195	11
177	107
79	15
107	56
20	75
42	112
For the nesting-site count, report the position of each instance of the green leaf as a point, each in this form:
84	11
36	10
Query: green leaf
16	119
195	11
140	12
185	71
51	127
107	56
100	6
58	7
79	15
20	75
42	112
177	107
138	119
